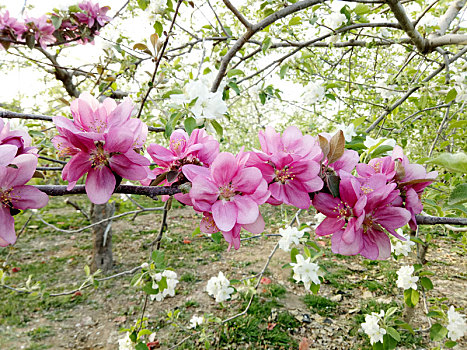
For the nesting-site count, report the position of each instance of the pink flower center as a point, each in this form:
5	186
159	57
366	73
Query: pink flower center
175	145
98	126
226	192
366	189
285	174
209	222
99	158
342	209
5	197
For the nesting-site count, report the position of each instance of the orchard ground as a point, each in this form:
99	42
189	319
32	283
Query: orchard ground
279	318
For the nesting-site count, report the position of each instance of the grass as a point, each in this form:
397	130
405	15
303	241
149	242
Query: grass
320	305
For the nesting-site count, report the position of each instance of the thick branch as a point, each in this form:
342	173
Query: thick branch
407	25
298	6
446	19
433	220
237	14
150	191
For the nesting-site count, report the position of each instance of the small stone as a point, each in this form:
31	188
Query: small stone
336	298
367	294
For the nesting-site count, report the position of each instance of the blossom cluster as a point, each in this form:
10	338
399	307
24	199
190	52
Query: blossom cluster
290	235
219	288
405	279
306	271
80	24
372	328
171	281
18	162
457	327
103	142
402	247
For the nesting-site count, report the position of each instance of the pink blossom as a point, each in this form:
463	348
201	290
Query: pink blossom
93	13
18	138
42	30
199	148
230	191
14	193
357	220
102	161
10	27
384	166
92	119
289	164
411	183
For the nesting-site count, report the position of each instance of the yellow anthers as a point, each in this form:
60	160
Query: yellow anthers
226	192
284	174
366	189
99	158
5	196
377	166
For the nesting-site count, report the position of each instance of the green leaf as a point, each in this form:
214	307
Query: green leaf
158	257
195	232
331	96
262	97
458	195
267	42
378	346
217	127
56	21
358	121
389	313
293	254
295	20
411	297
133	336
234	72
438	332
453	162
451	95
30	41
190	125
435	313
143	4
162	284
141	346
393	333
283	71
87	270
361	9
389	342
217	237
458	124
450	344
158	28
307	252
380	150
234	87
426	283
314	288
172	92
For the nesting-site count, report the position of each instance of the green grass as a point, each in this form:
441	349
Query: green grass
320	305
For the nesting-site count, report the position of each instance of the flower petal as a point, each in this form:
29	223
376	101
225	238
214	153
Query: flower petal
224	214
7	224
28	197
100	185
247	209
224	168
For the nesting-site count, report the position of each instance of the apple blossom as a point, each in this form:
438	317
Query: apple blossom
305	271
457	326
219	288
42	29
405	279
371	327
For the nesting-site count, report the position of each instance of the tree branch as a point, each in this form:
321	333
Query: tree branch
446	19
298	6
237	14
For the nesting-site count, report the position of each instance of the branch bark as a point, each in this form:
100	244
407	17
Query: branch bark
446	19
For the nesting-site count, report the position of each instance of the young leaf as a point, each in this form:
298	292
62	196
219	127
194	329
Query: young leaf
336	147
438	332
158	28
217	127
293	254
454	162
217	237
458	195
190	125
426	283
267	42
451	95
393	333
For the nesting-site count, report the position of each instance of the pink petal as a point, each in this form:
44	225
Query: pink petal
26	164
329	226
100	185
257	227
326	204
28	197
391	218
247	209
247	180
377	245
7	154
203	193
224	214
233	236
123	166
191	171
224	168
78	165
118	140
7	224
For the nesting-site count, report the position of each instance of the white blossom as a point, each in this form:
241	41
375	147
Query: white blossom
456	326
290	235
405	279
319	217
335	20
196	321
219	288
402	247
386	91
348	130
315	93
172	281
372	329
209	105
305	271
371	142
125	343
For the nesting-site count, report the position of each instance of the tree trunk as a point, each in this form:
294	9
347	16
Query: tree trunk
102	233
